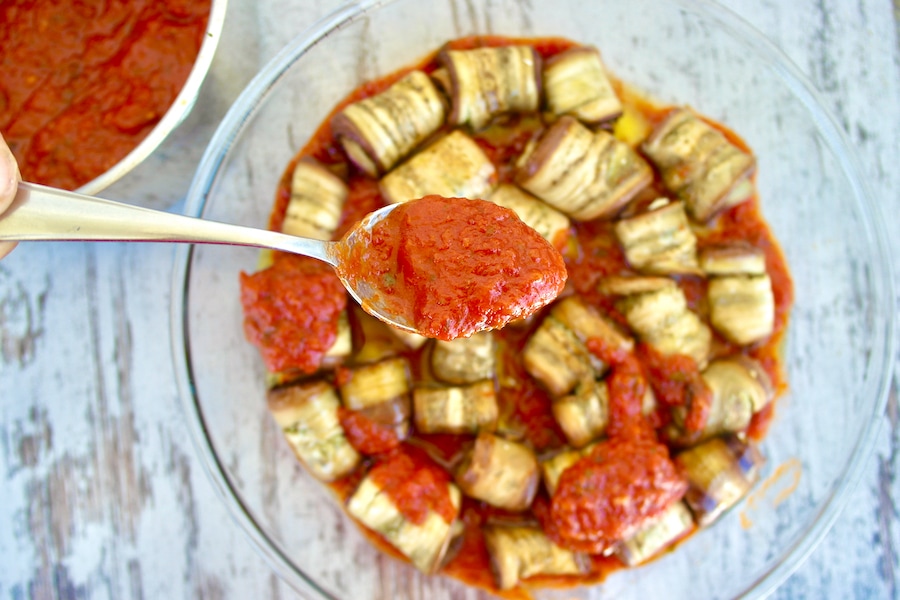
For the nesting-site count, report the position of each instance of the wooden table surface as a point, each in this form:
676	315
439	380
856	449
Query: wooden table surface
101	494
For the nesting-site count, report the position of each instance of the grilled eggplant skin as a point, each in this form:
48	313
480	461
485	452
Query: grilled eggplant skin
660	241
317	199
584	174
520	552
583	416
576	84
552	224
488	82
720	472
424	544
379	131
307	415
453	167
456	409
556	354
500	472
699	165
464	360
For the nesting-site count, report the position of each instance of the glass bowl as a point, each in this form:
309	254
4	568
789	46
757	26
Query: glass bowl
176	113
681	52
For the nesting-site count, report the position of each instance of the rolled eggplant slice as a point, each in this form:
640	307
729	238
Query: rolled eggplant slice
423	544
740	388
742	308
583	416
733	259
540	216
558	359
499	472
576	84
381	392
456	409
660	241
518	553
465	360
656	535
588	323
379	131
662	319
307	415
317	199
630	286
720	472
553	467
453	167
488	82
586	175
699	165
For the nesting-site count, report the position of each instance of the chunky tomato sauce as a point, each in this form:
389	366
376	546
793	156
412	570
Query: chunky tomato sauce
452	266
82	83
629	475
291	311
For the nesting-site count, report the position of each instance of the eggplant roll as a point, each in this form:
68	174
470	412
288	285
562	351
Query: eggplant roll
699	165
738	258
583	415
379	131
657	534
742	307
576	83
317	199
381	392
453	167
520	552
586	175
488	82
456	409
740	388
662	319
740	296
553	467
499	472
464	360
556	354
423	544
660	241
720	472
540	216
307	415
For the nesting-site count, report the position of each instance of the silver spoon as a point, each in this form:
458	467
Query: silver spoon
49	214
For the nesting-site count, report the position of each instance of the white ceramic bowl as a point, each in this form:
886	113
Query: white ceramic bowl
682	52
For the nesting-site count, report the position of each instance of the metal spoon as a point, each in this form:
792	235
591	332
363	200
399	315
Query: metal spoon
45	213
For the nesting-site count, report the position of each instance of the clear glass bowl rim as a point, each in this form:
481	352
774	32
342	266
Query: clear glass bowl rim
876	384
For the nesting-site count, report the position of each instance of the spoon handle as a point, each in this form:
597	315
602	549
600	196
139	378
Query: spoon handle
45	213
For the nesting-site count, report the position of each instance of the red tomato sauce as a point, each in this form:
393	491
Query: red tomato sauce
366	435
452	266
291	311
415	484
82	83
589	511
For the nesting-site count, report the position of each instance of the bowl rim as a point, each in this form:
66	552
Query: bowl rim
827	126
177	111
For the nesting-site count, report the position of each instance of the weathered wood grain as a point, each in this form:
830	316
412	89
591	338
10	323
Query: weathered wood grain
101	494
